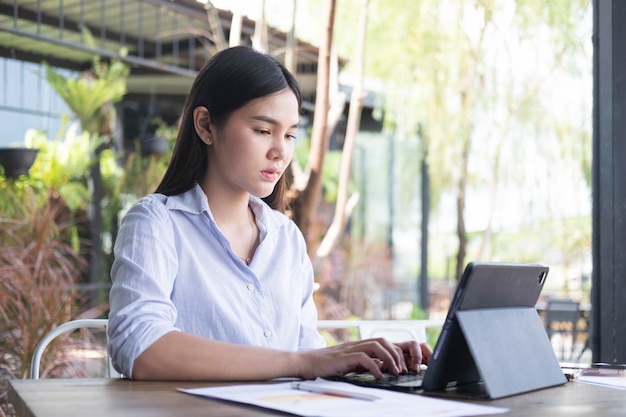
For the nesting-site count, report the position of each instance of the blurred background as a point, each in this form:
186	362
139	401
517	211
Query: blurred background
457	131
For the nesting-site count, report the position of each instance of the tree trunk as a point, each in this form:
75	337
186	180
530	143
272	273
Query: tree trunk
307	201
460	207
345	204
95	224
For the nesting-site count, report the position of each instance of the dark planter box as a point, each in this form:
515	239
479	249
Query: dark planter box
153	145
17	161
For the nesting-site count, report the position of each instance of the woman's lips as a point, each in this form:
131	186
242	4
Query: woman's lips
270	174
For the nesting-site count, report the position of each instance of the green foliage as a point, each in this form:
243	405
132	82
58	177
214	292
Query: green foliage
432	333
90	96
61	167
503	82
417	313
17	194
561	16
336	336
330	175
142	174
63	164
112	171
301	151
330	170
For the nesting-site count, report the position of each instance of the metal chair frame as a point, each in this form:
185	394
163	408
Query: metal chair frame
64	328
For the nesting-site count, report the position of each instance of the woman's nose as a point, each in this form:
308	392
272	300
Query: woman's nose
280	148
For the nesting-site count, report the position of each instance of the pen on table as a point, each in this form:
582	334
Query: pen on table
311	387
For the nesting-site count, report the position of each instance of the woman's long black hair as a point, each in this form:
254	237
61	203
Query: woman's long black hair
228	81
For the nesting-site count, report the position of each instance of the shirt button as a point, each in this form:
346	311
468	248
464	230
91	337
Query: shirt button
267	333
250	287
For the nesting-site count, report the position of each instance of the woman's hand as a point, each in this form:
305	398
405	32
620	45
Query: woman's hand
373	355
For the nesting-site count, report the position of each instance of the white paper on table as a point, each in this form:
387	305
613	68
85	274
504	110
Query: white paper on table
282	397
618	382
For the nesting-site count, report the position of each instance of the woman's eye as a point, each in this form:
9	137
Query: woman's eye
263	131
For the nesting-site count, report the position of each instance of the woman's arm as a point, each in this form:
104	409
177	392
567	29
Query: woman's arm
183	356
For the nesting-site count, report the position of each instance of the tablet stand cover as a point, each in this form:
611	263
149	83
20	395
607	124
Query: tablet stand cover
511	350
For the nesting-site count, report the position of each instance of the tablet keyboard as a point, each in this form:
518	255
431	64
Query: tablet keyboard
404	382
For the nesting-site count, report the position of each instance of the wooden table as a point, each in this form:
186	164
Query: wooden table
125	398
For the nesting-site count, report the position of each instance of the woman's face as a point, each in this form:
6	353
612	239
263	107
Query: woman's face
255	145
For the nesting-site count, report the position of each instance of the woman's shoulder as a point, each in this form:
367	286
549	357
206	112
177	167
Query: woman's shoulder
148	209
162	204
152	200
151	203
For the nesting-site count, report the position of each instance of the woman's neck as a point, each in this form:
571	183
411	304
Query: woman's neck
227	207
236	220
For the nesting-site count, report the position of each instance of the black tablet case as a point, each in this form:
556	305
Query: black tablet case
493	343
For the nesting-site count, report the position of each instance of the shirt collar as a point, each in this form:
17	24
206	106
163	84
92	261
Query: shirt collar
196	202
193	201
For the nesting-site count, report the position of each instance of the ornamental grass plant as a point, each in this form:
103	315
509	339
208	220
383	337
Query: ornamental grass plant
40	265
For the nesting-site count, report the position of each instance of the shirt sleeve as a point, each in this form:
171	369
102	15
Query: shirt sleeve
142	275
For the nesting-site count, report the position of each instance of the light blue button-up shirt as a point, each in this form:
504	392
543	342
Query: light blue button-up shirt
174	271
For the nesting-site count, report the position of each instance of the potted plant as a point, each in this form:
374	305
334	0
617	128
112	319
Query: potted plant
91	97
42	259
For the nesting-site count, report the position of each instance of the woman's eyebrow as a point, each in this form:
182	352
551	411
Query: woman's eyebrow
272	121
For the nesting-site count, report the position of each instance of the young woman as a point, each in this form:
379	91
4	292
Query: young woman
210	280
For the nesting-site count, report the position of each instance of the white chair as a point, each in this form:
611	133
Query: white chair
393	330
64	328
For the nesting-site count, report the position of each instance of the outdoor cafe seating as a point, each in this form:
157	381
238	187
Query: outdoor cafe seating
567	325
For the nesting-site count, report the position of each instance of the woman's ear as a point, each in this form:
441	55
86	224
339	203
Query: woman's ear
202	124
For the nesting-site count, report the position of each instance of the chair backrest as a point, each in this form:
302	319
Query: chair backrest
562	310
394	330
64	328
391	330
